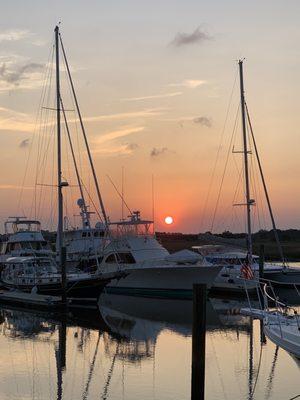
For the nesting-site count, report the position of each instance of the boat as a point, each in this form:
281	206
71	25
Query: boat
85	244
149	269
24	238
44	275
233	258
280	320
41	275
238	265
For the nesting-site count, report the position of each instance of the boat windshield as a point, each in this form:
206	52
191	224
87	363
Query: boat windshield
21	224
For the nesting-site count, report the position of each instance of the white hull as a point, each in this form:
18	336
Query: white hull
164	279
284	335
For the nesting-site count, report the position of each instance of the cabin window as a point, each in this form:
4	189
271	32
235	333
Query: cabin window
126	258
111	259
96	234
83	234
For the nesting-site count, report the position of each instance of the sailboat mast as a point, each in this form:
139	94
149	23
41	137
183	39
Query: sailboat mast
59	172
246	166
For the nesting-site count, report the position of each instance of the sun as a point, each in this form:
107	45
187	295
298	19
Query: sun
169	220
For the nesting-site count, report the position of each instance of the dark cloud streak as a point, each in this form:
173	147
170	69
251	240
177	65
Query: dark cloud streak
184	39
24	144
21	73
155	152
204	121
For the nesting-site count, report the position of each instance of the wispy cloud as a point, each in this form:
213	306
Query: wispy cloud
12	35
11	120
107	143
126	131
114	150
128	115
196	37
189	83
155	96
4	187
204	121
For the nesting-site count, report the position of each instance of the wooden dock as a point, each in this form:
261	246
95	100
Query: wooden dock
31	300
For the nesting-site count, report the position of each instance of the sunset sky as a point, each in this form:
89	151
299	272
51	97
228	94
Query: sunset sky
154	81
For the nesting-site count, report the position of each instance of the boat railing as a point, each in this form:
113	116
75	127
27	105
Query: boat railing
274	309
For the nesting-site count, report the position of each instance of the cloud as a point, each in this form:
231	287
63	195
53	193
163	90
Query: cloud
13	35
20	73
24	144
4	187
155	96
204	121
184	39
189	83
11	120
126	131
155	152
134	114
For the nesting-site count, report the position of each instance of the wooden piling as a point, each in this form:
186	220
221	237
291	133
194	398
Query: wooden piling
198	342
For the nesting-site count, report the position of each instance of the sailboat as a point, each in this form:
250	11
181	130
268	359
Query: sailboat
241	268
44	276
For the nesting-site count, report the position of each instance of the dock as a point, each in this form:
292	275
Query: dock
30	300
40	301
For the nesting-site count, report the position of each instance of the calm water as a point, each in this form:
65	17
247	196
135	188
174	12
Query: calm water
139	348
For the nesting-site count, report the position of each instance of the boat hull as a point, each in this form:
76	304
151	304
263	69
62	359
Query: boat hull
87	288
284	278
285	338
174	282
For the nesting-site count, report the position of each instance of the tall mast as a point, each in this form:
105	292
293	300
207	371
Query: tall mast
85	138
60	184
246	167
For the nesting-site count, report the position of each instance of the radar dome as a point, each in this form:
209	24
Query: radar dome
80	202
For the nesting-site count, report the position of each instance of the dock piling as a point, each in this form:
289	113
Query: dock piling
198	342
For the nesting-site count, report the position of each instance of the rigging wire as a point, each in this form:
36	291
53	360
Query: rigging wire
218	154
265	190
50	56
85	138
224	171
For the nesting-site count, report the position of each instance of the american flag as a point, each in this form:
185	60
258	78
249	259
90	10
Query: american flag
246	270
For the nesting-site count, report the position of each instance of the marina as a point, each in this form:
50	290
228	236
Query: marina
149	213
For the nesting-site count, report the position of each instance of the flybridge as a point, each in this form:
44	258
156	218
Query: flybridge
21	224
133	225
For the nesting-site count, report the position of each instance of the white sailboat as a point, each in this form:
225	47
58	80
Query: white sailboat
231	277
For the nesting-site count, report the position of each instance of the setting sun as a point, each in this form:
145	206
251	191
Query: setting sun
169	220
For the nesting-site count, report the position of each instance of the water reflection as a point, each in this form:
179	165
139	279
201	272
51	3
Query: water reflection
133	348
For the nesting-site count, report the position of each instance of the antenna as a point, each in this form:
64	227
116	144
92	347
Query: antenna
122	199
115	187
153	213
